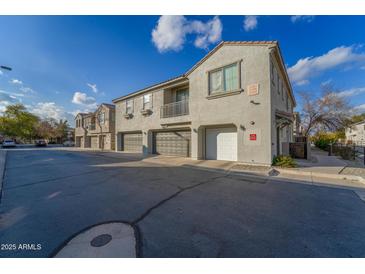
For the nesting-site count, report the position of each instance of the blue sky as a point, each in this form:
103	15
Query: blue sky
65	64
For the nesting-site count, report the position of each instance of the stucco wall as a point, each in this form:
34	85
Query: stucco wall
279	103
249	118
235	109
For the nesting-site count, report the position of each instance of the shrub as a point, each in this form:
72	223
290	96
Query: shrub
283	161
323	139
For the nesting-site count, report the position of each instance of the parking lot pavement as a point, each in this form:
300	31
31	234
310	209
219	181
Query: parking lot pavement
51	195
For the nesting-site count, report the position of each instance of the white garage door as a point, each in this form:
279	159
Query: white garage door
221	144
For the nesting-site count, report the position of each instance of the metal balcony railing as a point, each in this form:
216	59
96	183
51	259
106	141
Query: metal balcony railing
175	109
91	127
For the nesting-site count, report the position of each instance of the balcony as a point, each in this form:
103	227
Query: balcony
175	109
91	127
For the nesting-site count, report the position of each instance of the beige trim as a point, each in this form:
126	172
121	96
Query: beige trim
224	94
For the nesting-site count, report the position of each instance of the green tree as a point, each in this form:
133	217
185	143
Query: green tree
17	122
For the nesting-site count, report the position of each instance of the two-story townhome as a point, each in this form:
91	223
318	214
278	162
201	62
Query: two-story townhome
235	104
355	133
96	129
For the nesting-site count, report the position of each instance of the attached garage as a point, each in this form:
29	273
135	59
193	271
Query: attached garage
94	141
176	143
221	144
132	142
79	142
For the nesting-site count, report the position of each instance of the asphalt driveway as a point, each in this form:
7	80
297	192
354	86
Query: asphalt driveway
49	195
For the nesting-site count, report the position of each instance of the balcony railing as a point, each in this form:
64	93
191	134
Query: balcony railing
91	127
175	109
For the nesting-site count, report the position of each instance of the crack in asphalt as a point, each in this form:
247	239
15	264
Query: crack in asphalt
148	211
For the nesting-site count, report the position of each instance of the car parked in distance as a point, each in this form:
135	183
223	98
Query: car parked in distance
40	143
8	143
68	143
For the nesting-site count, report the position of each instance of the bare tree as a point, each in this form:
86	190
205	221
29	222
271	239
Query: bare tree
327	112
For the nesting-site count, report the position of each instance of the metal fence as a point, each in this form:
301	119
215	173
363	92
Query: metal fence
348	151
175	109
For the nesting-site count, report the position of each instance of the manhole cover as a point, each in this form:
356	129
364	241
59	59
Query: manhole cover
101	240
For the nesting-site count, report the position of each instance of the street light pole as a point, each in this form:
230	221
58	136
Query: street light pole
6	68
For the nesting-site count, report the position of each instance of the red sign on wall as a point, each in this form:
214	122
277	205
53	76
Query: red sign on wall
252	137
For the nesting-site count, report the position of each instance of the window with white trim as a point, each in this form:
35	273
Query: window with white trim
224	79
129	106
147	101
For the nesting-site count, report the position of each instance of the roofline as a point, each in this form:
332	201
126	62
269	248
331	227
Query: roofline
152	87
247	43
184	76
357	123
83	114
282	64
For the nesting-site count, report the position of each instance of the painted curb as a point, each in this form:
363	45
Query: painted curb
3	154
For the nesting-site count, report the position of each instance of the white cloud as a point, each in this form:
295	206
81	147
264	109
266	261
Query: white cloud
171	31
48	110
16	82
302	18
326	83
352	92
362	68
93	87
207	33
308	67
359	109
27	90
81	98
1	73
250	22
8	98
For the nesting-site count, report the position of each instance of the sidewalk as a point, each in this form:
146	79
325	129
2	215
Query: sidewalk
322	169
321	163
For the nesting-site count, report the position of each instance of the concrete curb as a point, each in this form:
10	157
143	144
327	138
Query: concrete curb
320	175
2	169
272	172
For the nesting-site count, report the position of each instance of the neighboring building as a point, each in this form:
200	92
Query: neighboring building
355	133
96	129
234	104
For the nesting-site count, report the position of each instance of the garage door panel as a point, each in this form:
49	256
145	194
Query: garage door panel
132	142
94	141
221	144
172	143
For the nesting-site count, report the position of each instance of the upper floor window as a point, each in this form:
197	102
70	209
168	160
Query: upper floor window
182	95
224	79
101	118
147	101
129	106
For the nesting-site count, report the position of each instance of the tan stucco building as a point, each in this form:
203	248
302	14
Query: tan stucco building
355	133
96	130
235	104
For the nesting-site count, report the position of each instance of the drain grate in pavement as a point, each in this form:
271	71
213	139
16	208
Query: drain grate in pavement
101	240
